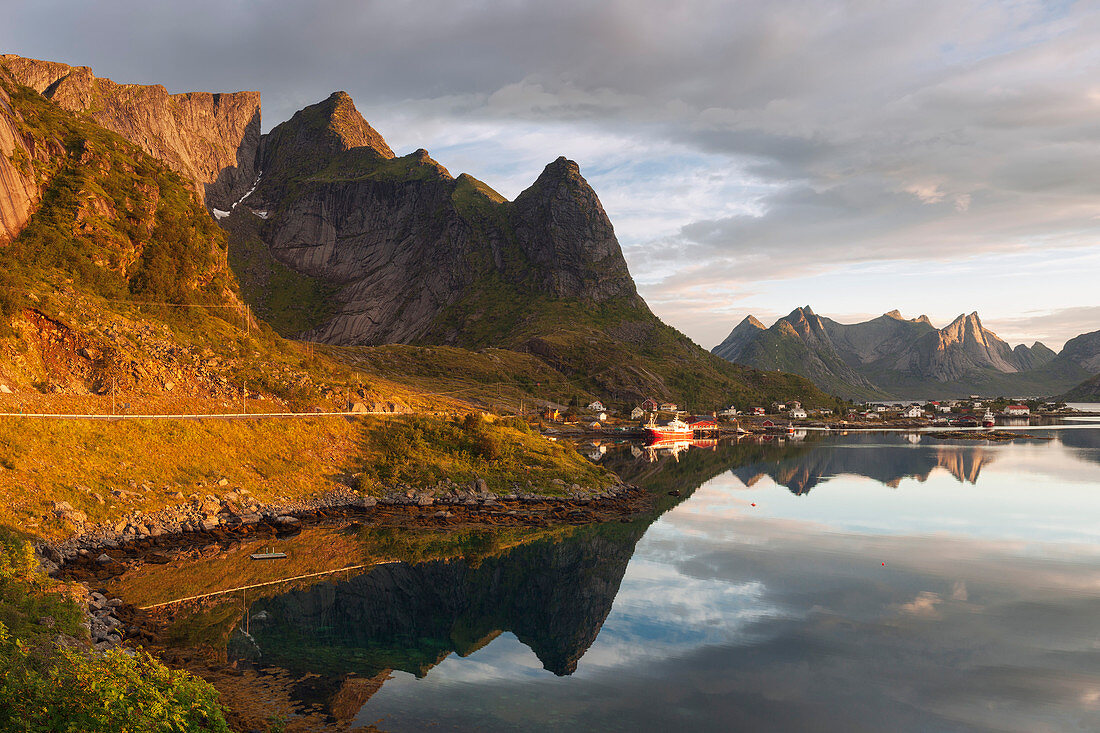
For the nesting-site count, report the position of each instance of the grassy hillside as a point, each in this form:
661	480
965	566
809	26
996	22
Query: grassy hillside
1087	391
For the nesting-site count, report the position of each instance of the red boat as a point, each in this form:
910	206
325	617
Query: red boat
670	430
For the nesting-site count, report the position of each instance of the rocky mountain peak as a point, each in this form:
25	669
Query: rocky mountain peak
752	321
347	127
563	230
315	134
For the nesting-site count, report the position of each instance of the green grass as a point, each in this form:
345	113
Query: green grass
48	685
422	451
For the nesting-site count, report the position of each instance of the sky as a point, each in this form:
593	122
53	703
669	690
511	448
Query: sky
860	156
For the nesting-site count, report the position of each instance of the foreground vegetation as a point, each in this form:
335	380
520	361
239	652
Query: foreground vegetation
50	681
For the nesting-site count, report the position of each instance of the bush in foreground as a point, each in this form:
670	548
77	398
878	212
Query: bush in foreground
51	682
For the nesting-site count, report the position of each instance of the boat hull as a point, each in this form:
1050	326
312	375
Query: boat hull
664	434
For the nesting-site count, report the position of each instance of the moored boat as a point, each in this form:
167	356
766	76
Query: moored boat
672	429
988	420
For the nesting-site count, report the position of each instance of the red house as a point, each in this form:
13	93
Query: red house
702	422
758	410
650	405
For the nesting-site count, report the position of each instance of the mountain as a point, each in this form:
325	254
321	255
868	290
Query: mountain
908	358
209	139
797	343
1087	391
342	208
1084	351
330	236
344	243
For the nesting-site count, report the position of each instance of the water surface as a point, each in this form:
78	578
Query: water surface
833	583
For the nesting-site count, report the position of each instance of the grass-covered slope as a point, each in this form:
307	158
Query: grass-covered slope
50	680
1087	391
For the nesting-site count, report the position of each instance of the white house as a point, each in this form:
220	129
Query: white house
637	413
601	416
880	408
797	413
596	406
1018	410
913	411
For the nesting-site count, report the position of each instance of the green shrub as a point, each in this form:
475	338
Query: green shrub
50	682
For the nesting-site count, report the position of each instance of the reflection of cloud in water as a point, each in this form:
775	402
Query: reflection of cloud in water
781	617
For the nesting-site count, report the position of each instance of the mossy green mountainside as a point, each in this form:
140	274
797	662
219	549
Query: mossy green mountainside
1087	391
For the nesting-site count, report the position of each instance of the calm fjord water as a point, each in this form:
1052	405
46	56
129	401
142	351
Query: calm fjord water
840	583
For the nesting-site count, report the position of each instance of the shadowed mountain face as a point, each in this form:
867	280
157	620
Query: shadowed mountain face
406	242
553	595
893	356
343	243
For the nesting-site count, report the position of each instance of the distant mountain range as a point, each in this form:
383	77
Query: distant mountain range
891	356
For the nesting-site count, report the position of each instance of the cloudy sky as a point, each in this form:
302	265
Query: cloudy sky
936	157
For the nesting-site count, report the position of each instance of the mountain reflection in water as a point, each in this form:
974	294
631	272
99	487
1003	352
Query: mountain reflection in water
962	598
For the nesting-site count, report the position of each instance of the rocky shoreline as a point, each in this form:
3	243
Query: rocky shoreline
236	509
105	549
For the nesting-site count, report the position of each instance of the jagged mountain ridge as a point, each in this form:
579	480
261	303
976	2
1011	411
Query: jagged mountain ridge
341	207
907	358
389	249
798	341
209	139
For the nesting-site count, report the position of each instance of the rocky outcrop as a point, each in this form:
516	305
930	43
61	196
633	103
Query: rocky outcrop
566	235
209	139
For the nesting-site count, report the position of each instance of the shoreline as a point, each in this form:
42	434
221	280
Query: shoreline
221	518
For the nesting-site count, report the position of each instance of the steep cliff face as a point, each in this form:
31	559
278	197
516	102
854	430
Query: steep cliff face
19	190
564	232
339	206
961	347
209	139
